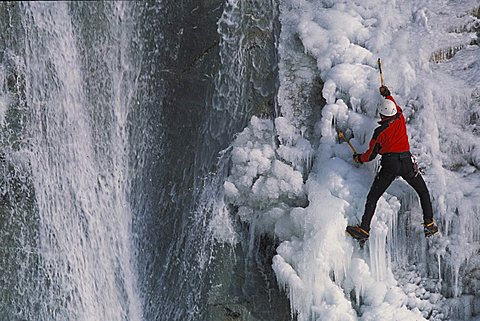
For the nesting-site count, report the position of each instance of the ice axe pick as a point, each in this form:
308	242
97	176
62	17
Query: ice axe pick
342	136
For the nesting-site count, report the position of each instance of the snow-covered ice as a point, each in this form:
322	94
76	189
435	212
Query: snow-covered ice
275	167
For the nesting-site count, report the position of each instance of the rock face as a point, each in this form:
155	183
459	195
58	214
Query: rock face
207	69
244	286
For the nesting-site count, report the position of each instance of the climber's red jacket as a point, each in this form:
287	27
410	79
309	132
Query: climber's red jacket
389	137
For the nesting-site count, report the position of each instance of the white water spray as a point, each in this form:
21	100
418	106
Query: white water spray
81	183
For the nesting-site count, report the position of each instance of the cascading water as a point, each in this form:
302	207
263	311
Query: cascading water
81	261
102	100
100	221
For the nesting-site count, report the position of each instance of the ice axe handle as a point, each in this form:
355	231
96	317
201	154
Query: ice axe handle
341	136
379	62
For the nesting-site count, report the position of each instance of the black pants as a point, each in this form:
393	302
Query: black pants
393	166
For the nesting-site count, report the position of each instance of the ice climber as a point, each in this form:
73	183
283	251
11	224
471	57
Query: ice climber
390	140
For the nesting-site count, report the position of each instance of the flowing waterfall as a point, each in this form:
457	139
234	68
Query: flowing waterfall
78	101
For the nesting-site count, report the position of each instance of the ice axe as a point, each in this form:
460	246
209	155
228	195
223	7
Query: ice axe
379	62
342	136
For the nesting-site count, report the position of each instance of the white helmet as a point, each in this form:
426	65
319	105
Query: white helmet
387	108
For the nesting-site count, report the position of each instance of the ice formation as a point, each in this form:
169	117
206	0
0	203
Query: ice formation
264	181
398	275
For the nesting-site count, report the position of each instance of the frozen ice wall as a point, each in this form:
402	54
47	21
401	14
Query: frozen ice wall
429	51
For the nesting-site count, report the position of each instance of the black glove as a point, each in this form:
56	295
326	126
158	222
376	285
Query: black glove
384	91
356	158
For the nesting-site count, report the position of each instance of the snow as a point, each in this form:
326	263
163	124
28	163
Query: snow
274	167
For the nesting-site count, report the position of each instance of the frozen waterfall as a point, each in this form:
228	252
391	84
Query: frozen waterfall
399	275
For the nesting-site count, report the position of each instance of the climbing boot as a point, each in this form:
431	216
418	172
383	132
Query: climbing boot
357	233
430	228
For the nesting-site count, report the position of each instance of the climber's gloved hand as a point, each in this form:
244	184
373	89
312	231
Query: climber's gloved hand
356	158
384	91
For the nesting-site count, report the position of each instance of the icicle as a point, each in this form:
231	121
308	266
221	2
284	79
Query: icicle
439	267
